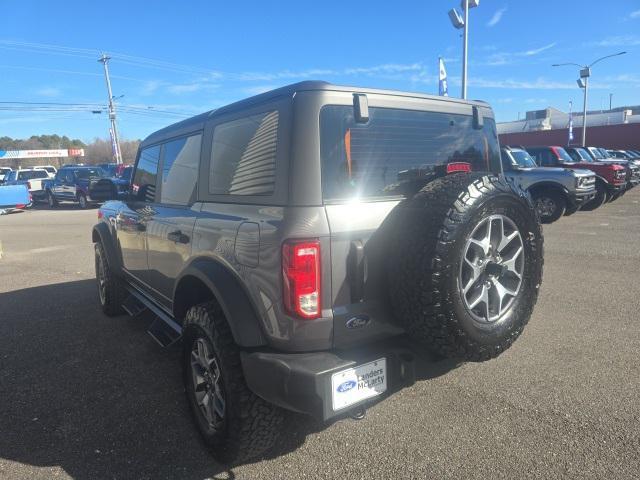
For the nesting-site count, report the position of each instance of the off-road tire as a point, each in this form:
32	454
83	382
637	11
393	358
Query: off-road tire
557	198
51	200
600	199
251	425
82	201
114	293
432	230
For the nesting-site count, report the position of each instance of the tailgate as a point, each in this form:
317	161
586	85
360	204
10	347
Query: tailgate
358	281
13	195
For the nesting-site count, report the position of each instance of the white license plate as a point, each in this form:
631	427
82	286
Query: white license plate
359	383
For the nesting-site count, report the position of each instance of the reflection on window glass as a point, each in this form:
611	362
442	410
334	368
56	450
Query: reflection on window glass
243	156
144	180
395	146
180	170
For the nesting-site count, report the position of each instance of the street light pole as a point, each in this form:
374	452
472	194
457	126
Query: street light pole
585	73
104	59
584	113
465	42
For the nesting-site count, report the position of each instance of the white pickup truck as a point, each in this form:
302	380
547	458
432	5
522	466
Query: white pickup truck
32	178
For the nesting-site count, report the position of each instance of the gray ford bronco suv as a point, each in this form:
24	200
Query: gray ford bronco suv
290	240
555	191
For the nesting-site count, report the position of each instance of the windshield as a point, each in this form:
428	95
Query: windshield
126	174
398	149
583	154
604	153
523	159
89	173
596	153
31	174
563	155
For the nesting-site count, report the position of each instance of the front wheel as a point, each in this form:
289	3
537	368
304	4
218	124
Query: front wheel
234	422
110	290
51	200
597	201
550	205
82	201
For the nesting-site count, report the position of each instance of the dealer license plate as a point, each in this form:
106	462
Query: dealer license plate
359	383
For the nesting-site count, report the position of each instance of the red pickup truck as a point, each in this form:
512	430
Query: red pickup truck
610	178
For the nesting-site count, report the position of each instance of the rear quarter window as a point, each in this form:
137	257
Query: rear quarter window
370	160
243	156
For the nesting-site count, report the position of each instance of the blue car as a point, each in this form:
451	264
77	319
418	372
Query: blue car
13	197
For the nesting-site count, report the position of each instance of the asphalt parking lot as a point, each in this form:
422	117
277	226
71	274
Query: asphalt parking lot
89	397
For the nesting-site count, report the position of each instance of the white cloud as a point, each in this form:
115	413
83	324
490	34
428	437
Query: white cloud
618	41
48	92
634	14
495	19
193	87
536	51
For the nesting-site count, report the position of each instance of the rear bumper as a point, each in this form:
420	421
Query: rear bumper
301	382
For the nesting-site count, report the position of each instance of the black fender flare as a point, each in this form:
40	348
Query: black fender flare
557	187
231	295
102	234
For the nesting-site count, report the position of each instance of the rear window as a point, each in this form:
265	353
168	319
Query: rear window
31	174
370	160
86	173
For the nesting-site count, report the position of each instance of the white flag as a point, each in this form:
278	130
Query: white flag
443	90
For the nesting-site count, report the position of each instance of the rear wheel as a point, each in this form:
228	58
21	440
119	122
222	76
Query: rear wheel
235	423
550	205
466	265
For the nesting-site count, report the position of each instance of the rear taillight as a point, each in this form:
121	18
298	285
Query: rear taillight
100	214
456	167
301	278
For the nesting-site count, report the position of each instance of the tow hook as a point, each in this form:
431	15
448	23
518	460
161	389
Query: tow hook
359	413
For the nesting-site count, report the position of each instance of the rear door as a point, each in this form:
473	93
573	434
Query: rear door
171	221
367	168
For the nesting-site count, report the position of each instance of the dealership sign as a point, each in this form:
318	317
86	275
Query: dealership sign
71	152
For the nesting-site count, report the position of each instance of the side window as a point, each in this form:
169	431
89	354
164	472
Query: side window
180	170
144	179
243	156
68	177
547	159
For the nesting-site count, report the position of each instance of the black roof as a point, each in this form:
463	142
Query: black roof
290	90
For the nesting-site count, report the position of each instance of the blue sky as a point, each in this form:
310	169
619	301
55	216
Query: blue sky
188	57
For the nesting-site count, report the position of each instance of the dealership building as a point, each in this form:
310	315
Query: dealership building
618	128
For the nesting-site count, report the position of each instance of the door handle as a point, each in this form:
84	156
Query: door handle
178	237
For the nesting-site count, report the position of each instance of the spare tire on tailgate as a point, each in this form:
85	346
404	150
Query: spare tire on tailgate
465	265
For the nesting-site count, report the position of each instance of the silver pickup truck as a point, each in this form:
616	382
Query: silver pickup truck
555	191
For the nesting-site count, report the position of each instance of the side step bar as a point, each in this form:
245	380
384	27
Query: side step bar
164	329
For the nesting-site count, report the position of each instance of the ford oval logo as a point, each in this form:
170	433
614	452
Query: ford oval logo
358	321
346	386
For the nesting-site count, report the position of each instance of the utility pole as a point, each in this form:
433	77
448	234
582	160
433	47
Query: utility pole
610	100
115	140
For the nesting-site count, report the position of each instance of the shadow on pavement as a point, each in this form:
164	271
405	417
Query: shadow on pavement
97	397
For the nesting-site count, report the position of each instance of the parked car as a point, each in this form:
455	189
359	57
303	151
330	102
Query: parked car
33	178
14	197
77	184
555	191
4	171
610	178
295	239
631	167
50	169
112	169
